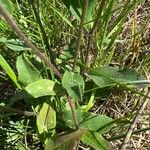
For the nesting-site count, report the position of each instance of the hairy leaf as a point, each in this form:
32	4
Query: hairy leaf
49	145
42	87
89	121
68	140
74	84
108	76
96	141
27	72
46	121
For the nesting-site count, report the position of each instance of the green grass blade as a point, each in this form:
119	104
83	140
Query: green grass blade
60	14
8	70
110	56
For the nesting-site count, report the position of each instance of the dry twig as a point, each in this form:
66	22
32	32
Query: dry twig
16	111
131	128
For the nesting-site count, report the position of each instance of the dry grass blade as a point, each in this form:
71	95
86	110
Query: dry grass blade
131	128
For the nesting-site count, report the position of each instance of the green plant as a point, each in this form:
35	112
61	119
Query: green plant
52	84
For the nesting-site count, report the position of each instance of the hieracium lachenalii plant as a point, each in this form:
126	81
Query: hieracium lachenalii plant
58	59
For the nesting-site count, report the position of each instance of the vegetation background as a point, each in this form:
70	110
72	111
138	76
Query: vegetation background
74	74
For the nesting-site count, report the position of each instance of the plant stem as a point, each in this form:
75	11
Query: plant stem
72	107
22	36
16	111
92	32
80	32
123	135
123	85
44	37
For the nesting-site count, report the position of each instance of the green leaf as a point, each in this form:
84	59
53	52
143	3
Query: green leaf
96	141
27	72
74	84
74	7
64	18
68	140
21	146
49	145
13	44
110	56
65	141
42	87
7	4
89	121
3	40
8	70
90	11
108	76
46	121
93	122
67	117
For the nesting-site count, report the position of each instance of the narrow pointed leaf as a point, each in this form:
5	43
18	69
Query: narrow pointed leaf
8	70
